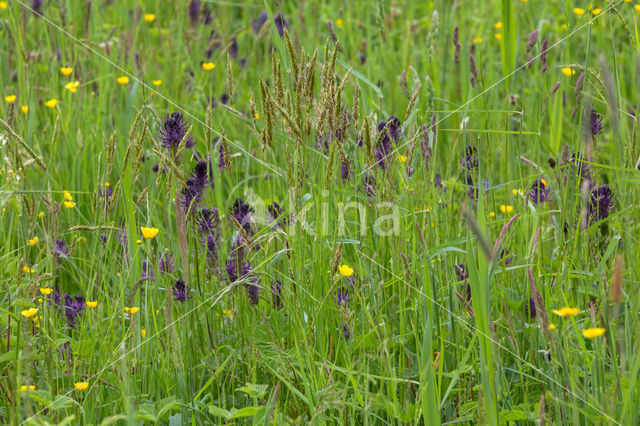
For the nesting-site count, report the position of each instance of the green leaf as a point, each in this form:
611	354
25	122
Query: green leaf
254	391
245	412
219	412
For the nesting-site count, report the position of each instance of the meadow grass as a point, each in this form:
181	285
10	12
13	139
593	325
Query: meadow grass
453	239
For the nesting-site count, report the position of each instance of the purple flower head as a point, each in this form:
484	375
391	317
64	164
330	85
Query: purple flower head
235	271
345	173
600	203
193	193
166	262
224	99
276	294
461	272
580	167
530	309
253	293
595	123
206	15
456	43
180	291
369	184
73	307
208	221
469	160
233	48
342	296
175	128
259	21
275	213
533	39
194	11
241	212
346	332
155	167
36	5
103	238
543	55
65	353
281	23
539	192
105	195
60	250
506	258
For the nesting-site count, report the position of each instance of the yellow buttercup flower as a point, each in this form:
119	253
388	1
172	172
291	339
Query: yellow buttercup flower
492	214
92	304
149	17
143	332
498	36
402	158
497	25
33	242
10	98
3	5
138	241
578	11
66	71
157	82
80	386
345	270
67	195
208	66
596	11
28	270
123	80
257	116
228	313
24	109
552	326
637	7
339	22
149	233
592	333
544	182
69	204
477	40
72	86
568	71
46	291
40	215
506	209
566	311
51	103
25	387
28	313
132	310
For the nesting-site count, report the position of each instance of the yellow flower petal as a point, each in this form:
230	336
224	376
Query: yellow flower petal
92	304
552	326
123	80
568	71
506	209
143	332
24	109
80	386
345	270
498	36
28	270
67	195
566	311
149	17
149	233
497	25
33	242
3	5
28	313
10	98
578	11
208	66
339	22
51	103
46	291
596	11
132	310
592	333
69	204
66	71
157	82
477	40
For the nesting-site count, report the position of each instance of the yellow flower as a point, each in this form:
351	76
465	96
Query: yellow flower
28	270
228	313
345	270
339	22
149	233
46	291
477	40
568	71
40	215
592	333
92	304
138	241
497	25
544	182
637	7
3	5
402	158
563	26
33	242
596	11
69	204
208	66
492	214
506	209
39	299
24	109
80	386
66	71
67	195
123	80
157	82
566	311
515	192
28	313
578	11
257	116
498	36
143	332
24	387
10	98
72	86
51	103
132	310
149	17
107	184
552	326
